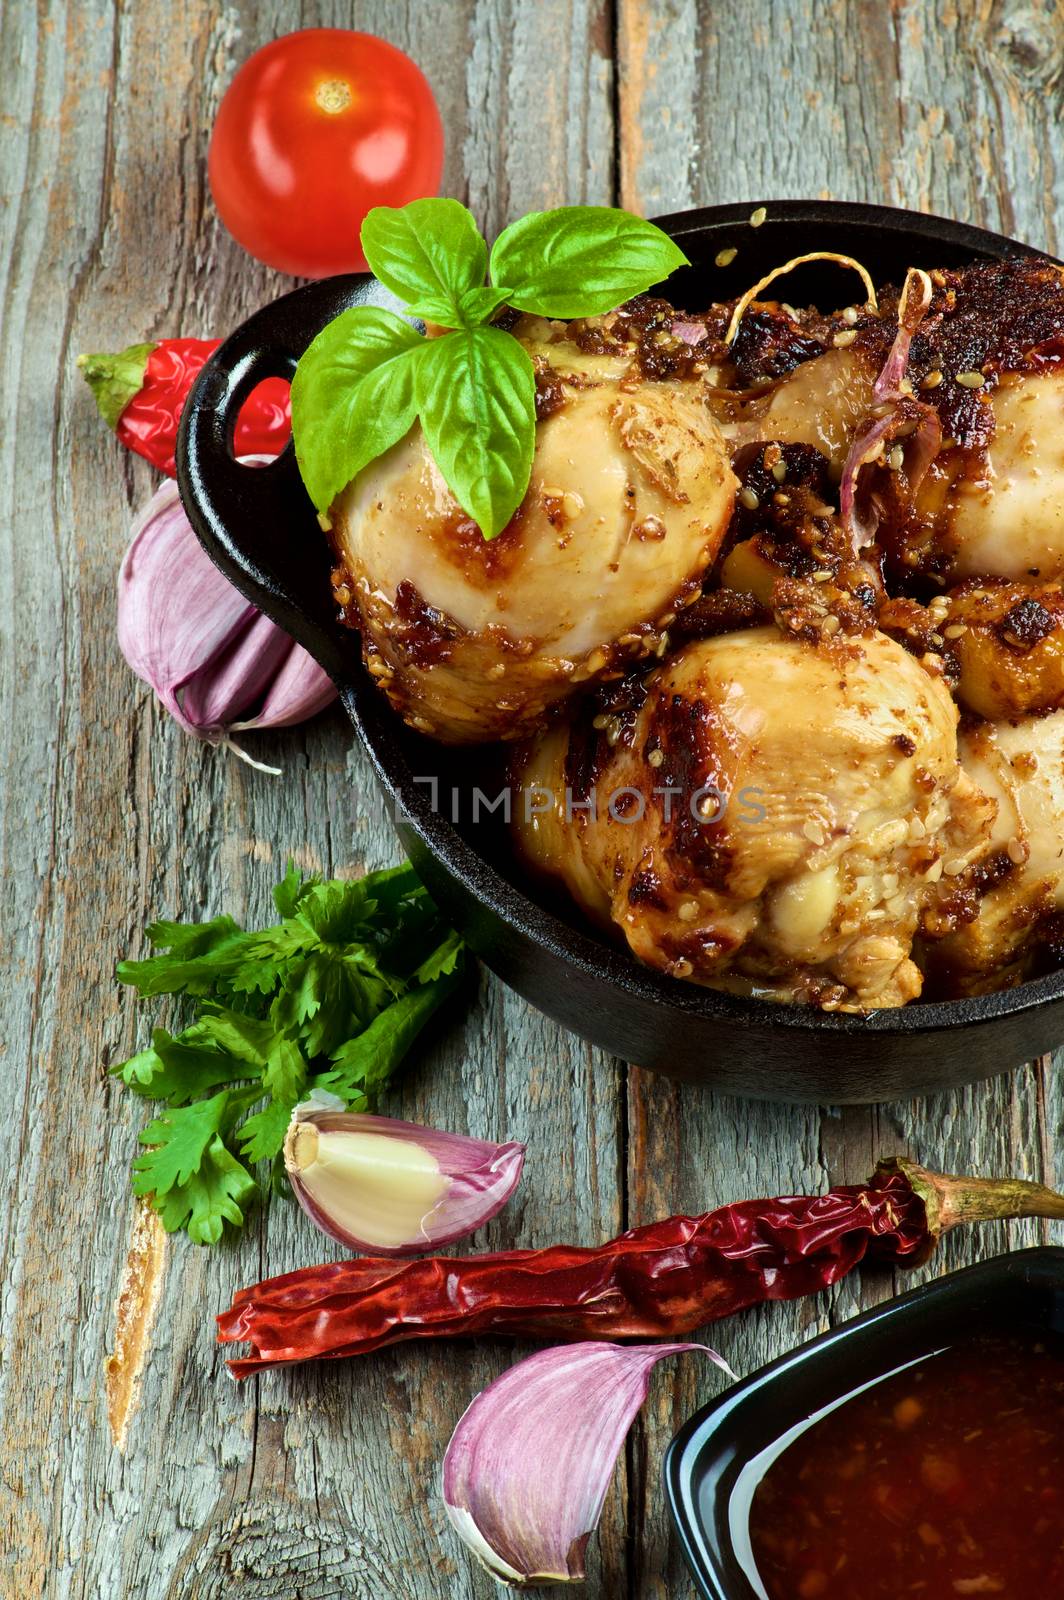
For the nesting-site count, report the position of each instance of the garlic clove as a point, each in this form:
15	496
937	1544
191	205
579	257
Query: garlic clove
207	652
176	612
239	675
385	1187
298	691
528	1466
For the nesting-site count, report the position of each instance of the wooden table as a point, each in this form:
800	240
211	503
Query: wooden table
323	1483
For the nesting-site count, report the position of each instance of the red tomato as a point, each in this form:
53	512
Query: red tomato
314	130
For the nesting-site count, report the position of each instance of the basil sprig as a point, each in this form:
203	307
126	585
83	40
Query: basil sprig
369	374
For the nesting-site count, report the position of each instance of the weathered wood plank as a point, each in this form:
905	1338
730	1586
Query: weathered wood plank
320	1482
948	107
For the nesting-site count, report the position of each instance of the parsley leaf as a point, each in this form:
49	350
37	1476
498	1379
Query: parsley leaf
335	993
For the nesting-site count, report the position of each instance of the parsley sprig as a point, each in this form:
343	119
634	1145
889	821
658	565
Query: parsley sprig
360	385
331	997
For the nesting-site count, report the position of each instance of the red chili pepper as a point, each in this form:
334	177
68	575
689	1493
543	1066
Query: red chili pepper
141	393
653	1282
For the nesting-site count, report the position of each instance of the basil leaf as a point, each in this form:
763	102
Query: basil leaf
579	261
352	397
476	396
479	304
430	253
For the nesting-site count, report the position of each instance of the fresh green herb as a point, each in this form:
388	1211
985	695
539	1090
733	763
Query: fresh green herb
368	374
333	996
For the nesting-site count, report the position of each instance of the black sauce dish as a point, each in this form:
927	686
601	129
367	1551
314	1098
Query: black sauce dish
716	1461
260	528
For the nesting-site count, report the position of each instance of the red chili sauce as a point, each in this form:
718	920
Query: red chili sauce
946	1479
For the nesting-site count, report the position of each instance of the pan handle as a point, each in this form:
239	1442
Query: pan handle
257	523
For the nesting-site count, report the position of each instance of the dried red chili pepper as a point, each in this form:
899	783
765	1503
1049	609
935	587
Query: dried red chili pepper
141	392
653	1282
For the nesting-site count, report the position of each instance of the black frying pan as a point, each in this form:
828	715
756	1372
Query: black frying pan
260	528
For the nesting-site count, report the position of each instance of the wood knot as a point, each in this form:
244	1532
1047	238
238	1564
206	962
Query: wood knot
277	1547
1029	45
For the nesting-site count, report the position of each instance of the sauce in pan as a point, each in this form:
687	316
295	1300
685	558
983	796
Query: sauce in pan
944	1480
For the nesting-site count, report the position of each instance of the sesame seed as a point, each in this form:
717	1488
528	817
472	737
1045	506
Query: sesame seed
956	630
688	911
600	721
934	872
954	868
896	458
841	340
830	626
937	640
724	258
821	575
916	828
931	380
813	832
781	499
1017	851
749	499
757	217
779	471
683	969
849	316
572	503
970	380
655	758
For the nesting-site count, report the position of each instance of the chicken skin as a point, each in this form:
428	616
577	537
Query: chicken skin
1020	765
764	815
630	496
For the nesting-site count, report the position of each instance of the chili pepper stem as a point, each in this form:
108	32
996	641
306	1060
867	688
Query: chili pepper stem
951	1199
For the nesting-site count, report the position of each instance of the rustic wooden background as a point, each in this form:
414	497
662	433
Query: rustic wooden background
324	1483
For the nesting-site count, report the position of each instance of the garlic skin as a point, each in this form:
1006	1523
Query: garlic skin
208	654
390	1188
528	1466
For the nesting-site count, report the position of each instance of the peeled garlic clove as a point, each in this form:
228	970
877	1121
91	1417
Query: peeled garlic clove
527	1469
209	655
385	1187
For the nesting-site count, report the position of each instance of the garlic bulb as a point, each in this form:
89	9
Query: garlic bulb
526	1472
214	661
385	1187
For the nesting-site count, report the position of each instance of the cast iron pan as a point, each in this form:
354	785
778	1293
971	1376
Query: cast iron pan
260	528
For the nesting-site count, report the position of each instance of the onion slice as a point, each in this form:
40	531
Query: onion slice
912	308
390	1188
745	300
527	1469
898	415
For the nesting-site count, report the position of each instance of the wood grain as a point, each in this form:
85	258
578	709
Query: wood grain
323	1483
